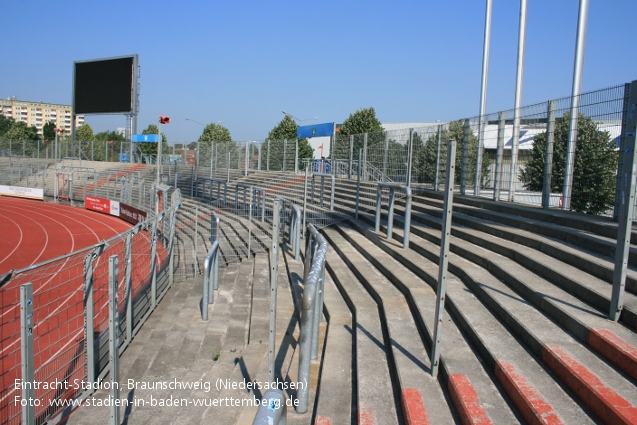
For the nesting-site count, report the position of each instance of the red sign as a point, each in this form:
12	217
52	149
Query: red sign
97	204
102	205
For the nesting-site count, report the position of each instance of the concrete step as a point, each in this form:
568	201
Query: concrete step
409	360
375	398
519	374
544	338
456	362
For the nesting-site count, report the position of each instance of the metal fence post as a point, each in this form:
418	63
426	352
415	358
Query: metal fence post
128	292
274	277
499	157
465	156
548	156
351	156
267	158
358	183
438	147
307	170
627	202
285	147
385	158
296	156
113	337
26	351
444	257
365	157
410	150
153	261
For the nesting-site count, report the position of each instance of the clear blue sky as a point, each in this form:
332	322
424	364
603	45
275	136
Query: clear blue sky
243	62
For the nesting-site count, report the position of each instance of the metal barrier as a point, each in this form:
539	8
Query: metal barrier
323	176
390	215
212	181
313	278
210	279
258	197
272	410
79	285
294	232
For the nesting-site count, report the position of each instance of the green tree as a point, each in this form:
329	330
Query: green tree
83	138
216	140
151	148
5	124
286	129
425	156
102	144
360	122
48	130
595	167
20	131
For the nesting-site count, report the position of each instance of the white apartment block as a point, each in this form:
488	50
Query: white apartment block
36	114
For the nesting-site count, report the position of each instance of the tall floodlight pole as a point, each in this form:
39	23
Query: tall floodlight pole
518	101
578	67
483	96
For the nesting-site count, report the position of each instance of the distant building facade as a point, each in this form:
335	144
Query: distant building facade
36	114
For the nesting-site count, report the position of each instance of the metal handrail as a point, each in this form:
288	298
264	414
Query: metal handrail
272	410
258	194
313	278
212	181
210	278
390	215
323	176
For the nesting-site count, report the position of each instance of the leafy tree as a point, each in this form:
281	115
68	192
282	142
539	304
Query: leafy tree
595	167
102	143
20	131
363	121
48	130
5	124
150	148
425	155
84	133
286	129
216	140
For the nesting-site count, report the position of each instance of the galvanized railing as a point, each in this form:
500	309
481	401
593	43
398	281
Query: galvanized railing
390	214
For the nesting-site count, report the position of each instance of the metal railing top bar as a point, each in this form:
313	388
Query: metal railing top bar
313	280
390	215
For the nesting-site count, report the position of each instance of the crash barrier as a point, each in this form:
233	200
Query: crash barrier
390	215
272	409
294	231
200	191
210	279
322	188
312	308
256	203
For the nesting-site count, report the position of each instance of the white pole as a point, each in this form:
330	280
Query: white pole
483	95
518	101
580	44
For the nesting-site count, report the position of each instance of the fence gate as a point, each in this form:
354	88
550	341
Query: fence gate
63	187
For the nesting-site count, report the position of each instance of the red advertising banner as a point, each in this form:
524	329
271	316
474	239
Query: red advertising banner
97	204
131	214
102	205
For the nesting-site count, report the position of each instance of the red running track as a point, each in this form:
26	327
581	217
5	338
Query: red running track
33	232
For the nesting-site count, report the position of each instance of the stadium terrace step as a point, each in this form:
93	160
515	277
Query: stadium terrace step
375	398
335	390
459	360
540	335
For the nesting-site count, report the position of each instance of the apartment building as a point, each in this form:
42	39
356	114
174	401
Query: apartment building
37	114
